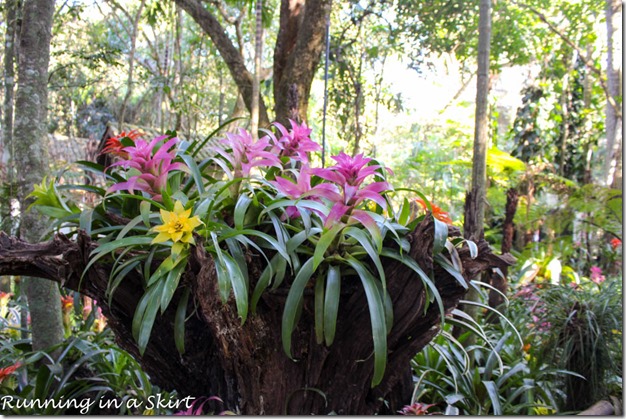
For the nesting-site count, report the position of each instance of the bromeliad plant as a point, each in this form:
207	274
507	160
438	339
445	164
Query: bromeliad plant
314	227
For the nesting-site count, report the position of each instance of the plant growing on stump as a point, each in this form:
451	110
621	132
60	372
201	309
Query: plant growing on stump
227	256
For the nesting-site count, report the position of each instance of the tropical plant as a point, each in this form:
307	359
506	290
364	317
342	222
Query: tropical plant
315	227
494	375
91	376
578	327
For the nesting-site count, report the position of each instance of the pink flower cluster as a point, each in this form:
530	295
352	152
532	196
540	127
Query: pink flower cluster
295	143
346	190
243	153
416	409
152	162
596	275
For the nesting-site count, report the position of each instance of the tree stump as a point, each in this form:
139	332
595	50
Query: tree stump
245	365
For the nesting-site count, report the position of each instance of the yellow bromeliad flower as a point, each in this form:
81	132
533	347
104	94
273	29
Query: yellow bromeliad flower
177	226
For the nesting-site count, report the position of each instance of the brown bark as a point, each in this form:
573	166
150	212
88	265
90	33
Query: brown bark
497	280
297	53
244	364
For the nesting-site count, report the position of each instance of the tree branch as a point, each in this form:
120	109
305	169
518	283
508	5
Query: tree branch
588	63
232	57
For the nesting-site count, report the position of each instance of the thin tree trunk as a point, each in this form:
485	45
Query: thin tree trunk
31	157
178	63
256	81
475	199
613	163
498	280
6	141
131	64
231	56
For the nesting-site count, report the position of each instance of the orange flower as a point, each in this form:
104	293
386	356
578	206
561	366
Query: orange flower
5	372
615	243
527	348
67	303
114	144
438	213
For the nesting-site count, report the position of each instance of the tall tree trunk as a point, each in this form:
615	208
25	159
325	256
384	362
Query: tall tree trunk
297	53
6	141
256	82
475	199
244	364
31	157
613	163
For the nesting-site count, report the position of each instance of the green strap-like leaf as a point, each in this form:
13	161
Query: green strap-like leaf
440	236
331	302
494	396
171	282
324	243
104	249
377	318
411	263
445	264
179	321
196	174
243	203
319	309
145	314
223	281
293	300
362	238
239	284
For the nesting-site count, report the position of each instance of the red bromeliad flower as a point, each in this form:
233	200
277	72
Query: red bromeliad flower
438	213
114	144
295	143
153	167
615	243
5	372
243	153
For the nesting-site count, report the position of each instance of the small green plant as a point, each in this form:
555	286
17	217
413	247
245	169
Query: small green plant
579	328
494	376
90	376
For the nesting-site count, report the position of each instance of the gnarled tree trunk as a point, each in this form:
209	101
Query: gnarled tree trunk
244	364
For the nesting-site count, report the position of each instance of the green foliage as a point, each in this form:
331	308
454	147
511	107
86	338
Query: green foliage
490	377
576	327
90	368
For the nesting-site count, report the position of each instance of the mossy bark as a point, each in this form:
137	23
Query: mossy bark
31	157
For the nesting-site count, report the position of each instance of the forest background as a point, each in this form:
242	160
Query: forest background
397	83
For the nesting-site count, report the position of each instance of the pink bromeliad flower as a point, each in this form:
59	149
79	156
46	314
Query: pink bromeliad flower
153	167
302	189
243	153
350	173
295	143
